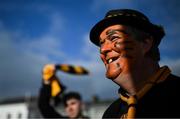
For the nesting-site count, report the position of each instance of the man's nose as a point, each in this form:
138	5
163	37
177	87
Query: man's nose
106	47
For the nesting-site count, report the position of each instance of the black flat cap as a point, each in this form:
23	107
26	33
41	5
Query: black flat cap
127	17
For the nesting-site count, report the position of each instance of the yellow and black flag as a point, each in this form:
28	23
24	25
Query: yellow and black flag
56	86
77	70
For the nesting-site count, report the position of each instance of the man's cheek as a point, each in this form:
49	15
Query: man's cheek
126	50
127	64
120	45
103	59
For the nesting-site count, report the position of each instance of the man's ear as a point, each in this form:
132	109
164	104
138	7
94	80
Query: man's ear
147	45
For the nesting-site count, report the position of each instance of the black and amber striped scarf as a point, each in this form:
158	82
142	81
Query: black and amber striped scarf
132	101
56	86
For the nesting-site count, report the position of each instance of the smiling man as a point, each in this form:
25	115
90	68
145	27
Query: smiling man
128	44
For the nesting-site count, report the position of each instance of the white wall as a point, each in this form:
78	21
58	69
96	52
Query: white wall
16	111
97	111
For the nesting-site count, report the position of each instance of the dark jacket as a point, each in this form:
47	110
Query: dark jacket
45	108
162	100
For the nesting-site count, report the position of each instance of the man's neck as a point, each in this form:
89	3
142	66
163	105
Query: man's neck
80	116
148	69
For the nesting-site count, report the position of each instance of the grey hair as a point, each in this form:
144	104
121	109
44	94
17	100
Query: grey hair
141	36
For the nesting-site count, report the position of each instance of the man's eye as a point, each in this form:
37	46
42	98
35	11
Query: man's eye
101	42
113	38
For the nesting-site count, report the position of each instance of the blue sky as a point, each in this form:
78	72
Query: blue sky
34	33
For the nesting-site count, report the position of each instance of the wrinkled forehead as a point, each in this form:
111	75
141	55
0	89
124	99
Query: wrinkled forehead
112	30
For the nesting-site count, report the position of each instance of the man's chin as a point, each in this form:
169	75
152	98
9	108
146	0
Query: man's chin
112	75
73	116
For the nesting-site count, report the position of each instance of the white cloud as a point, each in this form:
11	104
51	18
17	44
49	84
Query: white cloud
18	69
45	46
22	59
89	49
49	44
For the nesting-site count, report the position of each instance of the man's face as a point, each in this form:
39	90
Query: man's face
73	108
121	53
